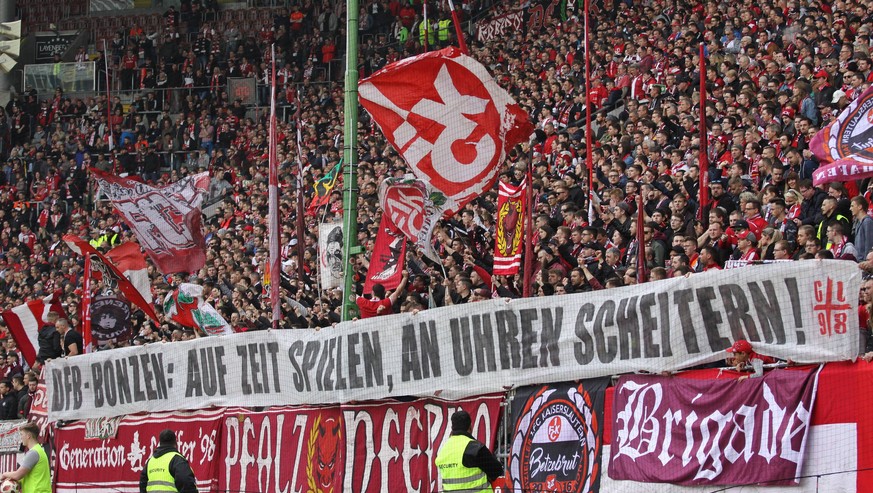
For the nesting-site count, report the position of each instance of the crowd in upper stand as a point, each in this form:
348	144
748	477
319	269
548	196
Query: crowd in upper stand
775	74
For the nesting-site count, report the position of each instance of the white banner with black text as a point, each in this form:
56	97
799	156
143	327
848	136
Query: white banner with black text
801	311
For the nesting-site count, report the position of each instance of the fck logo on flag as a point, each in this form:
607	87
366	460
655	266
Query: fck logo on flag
449	120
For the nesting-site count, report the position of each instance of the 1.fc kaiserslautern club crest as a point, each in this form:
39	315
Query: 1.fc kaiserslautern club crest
557	441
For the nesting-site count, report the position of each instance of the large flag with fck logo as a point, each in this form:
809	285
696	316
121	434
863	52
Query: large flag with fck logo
845	147
185	305
448	118
166	220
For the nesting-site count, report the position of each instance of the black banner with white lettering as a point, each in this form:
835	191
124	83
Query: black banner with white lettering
558	440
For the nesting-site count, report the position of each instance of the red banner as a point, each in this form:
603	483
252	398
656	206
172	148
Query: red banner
329	449
360	448
510	229
109	454
700	432
389	257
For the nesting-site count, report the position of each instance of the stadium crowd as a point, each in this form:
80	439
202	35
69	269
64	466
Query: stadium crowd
776	72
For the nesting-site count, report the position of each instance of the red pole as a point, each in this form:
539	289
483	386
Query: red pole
108	96
589	151
274	226
703	158
426	27
87	339
528	227
642	275
462	44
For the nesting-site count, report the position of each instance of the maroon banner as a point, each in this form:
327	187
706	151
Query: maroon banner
510	229
166	221
712	432
108	454
389	257
361	448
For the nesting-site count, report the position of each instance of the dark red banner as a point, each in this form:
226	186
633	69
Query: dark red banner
702	432
108	454
389	257
360	448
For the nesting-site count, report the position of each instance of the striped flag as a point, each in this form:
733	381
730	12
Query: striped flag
510	228
130	261
24	322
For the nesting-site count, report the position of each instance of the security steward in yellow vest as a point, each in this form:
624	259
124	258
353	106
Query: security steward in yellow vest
167	471
444	29
33	473
465	464
426	31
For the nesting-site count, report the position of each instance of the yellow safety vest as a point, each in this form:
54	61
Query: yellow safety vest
456	476
39	479
160	479
443	32
425	30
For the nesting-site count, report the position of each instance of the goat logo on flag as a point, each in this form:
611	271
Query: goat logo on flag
449	120
510	229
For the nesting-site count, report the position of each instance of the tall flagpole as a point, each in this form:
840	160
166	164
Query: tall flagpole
703	156
642	274
87	339
350	157
426	27
108	96
528	226
299	225
589	152
462	43
273	216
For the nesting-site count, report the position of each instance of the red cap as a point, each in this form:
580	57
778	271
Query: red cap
821	74
741	346
789	112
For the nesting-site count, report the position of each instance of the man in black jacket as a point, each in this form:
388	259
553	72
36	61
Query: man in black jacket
49	339
8	401
165	465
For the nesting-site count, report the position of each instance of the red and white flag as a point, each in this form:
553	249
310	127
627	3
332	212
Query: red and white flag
273	266
414	208
110	274
509	233
130	261
448	118
166	221
389	257
24	322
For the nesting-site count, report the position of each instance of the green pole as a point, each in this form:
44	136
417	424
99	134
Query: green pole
350	157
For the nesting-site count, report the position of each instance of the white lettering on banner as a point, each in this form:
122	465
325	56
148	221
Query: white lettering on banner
646	425
795	311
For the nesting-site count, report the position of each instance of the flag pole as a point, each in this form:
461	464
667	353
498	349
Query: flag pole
589	152
426	26
274	226
642	275
703	156
87	338
462	43
350	156
108	97
528	226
